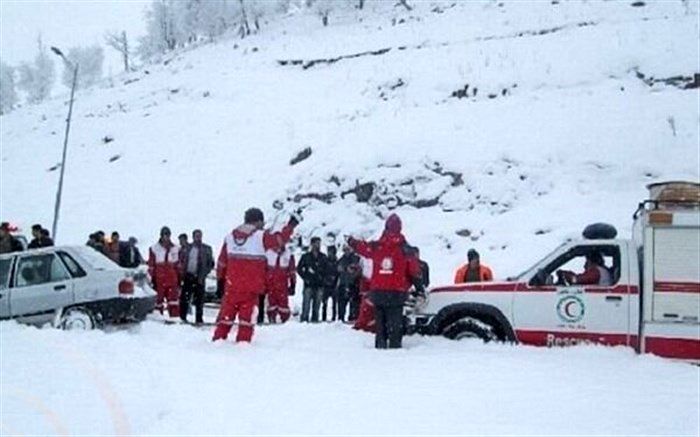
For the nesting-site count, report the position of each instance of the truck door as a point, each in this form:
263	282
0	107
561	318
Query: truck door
41	286
553	312
676	275
5	268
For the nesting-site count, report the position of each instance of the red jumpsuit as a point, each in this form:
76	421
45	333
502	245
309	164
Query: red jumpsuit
281	276
164	268
365	318
242	263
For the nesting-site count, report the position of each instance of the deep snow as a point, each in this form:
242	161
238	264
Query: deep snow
327	379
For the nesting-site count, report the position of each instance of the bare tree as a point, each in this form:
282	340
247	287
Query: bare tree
323	9
37	78
90	59
244	30
8	95
405	4
119	42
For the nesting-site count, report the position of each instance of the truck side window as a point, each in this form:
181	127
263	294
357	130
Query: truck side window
574	261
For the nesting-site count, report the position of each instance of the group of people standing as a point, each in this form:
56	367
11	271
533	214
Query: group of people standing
178	273
368	284
9	243
124	253
383	271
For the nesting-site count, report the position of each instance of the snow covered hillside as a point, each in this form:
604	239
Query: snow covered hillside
502	126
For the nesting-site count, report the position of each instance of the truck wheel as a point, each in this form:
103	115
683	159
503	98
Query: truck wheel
78	318
469	327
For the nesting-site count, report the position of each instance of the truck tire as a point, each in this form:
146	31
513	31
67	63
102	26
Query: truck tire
470	327
77	318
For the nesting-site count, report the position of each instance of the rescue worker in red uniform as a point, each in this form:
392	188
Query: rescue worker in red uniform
243	265
394	269
365	315
164	268
281	281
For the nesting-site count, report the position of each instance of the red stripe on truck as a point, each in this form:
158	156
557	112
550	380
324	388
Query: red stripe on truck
554	338
682	348
678	348
507	287
676	287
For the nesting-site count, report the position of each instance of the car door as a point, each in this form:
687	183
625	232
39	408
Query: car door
555	314
5	269
41	286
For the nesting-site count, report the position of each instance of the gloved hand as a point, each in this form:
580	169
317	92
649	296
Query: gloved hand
295	218
291	290
419	289
293	221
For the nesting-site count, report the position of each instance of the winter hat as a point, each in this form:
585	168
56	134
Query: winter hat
393	224
253	215
472	255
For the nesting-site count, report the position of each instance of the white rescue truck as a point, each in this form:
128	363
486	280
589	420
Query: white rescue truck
650	303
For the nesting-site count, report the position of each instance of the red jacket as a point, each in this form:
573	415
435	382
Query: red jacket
164	265
242	260
394	265
281	271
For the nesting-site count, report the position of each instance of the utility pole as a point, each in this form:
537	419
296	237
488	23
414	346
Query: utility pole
59	192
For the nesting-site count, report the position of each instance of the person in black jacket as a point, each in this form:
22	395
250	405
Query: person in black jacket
129	255
41	238
331	284
348	284
312	269
8	243
425	270
197	262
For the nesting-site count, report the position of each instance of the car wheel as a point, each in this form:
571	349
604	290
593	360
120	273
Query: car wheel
79	319
470	328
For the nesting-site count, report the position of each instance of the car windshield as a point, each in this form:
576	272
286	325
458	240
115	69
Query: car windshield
97	260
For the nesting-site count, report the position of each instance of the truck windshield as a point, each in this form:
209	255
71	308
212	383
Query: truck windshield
530	269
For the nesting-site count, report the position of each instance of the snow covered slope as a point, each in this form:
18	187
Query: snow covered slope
510	123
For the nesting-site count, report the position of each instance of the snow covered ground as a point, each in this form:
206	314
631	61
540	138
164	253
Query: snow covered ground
563	122
327	379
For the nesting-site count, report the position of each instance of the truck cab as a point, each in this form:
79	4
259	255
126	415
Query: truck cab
647	298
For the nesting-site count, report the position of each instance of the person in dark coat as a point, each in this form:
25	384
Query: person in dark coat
198	261
129	255
348	284
97	241
8	243
312	269
424	269
41	238
330	290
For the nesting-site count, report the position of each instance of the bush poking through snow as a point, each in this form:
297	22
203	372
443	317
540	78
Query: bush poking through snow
302	155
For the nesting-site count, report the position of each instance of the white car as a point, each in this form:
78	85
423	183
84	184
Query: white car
71	287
